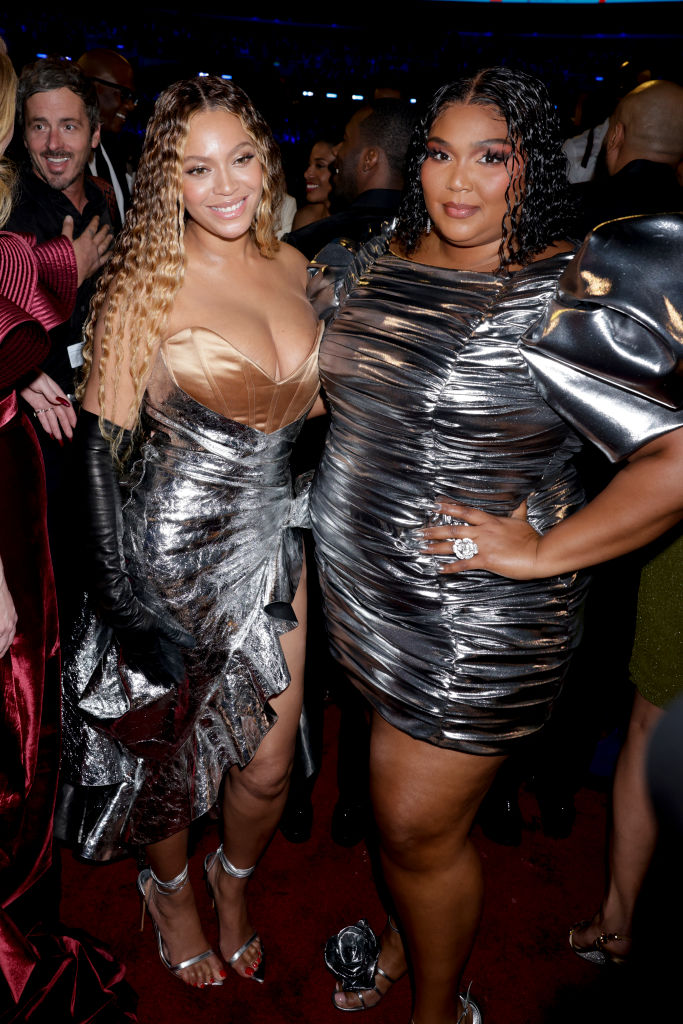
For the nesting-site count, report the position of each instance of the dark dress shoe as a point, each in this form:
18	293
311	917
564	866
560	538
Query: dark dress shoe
557	816
501	821
297	821
350	823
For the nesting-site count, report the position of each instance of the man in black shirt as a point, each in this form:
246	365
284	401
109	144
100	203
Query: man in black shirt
642	150
112	76
58	116
369	176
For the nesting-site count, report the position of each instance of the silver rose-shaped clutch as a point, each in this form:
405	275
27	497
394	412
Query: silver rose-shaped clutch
352	956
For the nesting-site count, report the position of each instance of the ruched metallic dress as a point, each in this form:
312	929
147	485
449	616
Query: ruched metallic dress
211	538
478	387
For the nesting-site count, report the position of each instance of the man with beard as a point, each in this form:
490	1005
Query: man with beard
368	179
59	120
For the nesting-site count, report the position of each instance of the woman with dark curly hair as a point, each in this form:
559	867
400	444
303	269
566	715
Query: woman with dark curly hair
183	683
447	513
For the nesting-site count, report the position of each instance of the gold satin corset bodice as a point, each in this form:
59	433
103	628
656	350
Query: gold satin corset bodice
218	375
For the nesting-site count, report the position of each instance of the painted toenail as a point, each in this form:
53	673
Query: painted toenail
249	971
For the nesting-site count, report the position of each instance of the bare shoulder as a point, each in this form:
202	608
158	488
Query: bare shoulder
292	261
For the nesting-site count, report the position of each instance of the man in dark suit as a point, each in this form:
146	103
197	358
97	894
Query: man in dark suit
368	179
642	150
112	77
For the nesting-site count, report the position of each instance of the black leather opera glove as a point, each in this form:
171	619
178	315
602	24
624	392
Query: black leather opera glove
148	642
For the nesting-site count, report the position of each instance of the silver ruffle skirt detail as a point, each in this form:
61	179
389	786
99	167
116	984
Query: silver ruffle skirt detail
211	534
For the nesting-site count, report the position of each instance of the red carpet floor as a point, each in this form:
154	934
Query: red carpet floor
522	969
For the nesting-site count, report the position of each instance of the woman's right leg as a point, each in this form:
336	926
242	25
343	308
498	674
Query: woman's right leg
176	914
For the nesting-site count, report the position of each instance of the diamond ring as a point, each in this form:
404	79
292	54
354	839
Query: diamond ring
464	547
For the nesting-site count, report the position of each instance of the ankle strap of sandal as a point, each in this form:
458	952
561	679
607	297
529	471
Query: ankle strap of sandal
174	885
466	1003
230	869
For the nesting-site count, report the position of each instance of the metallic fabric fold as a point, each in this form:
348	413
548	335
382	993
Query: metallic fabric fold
431	395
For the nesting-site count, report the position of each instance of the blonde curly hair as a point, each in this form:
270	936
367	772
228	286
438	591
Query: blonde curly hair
8	92
143	276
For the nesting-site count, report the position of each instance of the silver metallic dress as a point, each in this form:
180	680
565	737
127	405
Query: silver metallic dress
211	538
477	387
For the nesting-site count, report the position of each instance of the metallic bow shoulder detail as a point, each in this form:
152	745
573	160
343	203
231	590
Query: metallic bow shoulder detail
608	355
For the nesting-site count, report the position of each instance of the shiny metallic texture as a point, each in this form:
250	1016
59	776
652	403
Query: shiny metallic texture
211	537
433	394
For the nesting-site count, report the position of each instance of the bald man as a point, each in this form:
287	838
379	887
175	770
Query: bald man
643	149
112	76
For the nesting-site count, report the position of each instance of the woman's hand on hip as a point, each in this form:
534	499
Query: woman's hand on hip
505	545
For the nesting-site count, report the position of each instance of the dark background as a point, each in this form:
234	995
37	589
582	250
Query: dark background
276	51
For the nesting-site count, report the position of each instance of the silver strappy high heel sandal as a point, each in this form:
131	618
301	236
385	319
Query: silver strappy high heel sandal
166	889
230	869
469	1004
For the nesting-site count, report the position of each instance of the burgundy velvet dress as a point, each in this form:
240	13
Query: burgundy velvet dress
38	971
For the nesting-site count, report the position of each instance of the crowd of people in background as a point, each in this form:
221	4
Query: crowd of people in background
113	252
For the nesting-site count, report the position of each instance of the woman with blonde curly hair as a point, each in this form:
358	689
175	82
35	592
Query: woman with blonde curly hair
183	681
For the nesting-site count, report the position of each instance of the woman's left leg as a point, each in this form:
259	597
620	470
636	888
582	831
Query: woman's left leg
254	798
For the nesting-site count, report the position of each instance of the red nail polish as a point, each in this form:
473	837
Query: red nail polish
223	974
249	971
62	401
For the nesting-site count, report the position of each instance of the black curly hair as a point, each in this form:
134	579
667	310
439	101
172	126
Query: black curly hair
539	209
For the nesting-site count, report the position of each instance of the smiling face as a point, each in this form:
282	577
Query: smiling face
464	180
116	101
222	177
58	137
317	174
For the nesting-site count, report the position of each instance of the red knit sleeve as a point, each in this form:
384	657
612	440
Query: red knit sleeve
55	295
38	285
